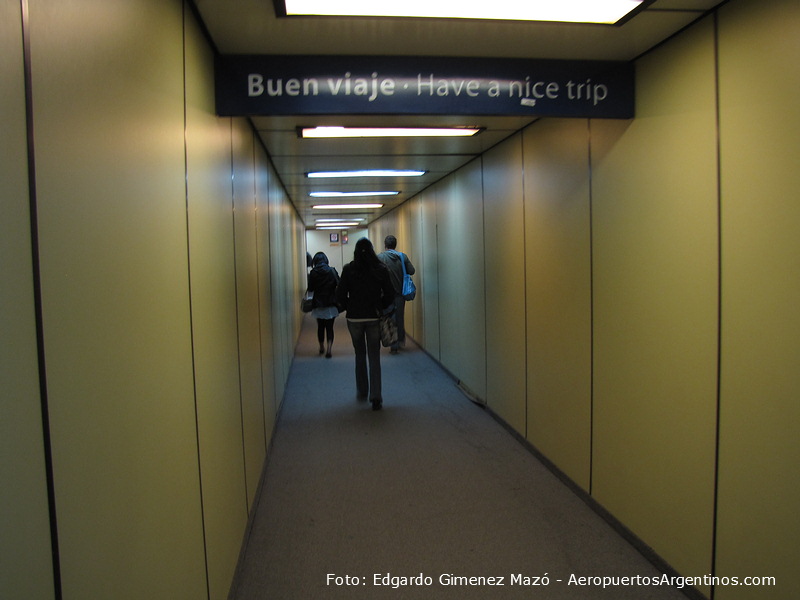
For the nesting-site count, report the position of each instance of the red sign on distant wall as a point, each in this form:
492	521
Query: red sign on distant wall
291	85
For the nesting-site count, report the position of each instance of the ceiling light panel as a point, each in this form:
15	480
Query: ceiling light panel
332	194
572	11
346	206
329	221
365	173
357	132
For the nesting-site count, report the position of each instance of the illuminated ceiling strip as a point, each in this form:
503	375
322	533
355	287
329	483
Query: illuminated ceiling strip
356	132
366	173
345	206
339	220
572	11
350	194
342	225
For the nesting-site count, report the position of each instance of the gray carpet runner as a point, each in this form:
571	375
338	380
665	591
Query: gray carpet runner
428	498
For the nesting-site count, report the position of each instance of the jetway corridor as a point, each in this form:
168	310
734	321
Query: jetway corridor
430	497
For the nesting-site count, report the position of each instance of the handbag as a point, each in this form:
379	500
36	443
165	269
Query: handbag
388	330
409	289
307	302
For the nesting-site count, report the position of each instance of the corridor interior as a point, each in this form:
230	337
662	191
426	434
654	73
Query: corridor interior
621	294
429	498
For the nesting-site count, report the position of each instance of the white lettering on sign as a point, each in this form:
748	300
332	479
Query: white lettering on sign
361	86
374	87
587	91
528	89
443	87
255	85
277	87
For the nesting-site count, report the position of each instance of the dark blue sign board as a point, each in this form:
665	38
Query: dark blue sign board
250	85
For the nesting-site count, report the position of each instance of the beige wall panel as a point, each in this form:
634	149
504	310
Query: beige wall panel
411	245
25	559
759	491
655	304
428	280
279	246
402	231
409	228
379	229
290	288
270	404
386	225
558	280
504	228
375	232
461	277
442	198
214	328
249	303
285	291
108	90
297	261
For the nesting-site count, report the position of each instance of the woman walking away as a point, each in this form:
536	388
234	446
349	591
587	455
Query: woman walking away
322	280
365	292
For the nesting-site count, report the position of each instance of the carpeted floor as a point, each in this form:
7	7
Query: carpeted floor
429	487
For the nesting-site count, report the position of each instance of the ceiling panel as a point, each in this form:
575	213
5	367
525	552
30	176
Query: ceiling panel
293	157
284	141
688	5
435	165
251	27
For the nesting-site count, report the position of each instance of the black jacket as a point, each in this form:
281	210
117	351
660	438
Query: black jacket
322	280
364	294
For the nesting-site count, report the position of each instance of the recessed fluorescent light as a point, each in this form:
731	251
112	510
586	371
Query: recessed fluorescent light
342	225
574	11
329	221
356	132
345	206
366	173
350	194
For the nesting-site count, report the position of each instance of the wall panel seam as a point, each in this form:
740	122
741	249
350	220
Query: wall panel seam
524	283
485	285
37	298
591	303
715	507
260	299
238	330
191	307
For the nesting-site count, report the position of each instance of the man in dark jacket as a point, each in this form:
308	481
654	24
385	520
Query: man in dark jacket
394	261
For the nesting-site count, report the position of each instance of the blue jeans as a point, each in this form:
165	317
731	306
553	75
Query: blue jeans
366	337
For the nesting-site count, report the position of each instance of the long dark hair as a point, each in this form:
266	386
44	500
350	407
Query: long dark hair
364	257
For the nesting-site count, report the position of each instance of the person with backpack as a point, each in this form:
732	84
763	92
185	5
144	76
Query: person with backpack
399	266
